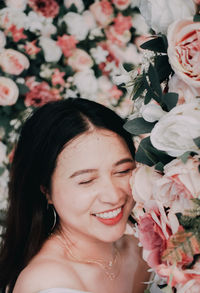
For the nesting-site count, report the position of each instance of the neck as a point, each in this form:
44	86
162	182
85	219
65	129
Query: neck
85	247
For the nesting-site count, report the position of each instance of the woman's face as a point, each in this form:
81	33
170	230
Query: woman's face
90	186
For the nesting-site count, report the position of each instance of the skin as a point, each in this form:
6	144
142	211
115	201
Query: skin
92	176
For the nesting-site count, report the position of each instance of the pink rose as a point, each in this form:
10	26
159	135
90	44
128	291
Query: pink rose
13	62
143	192
40	94
180	183
9	91
47	8
186	93
183	50
121	4
102	12
152	240
80	60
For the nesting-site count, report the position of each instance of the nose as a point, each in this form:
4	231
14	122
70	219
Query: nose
110	191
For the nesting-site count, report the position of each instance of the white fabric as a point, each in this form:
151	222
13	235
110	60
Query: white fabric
61	290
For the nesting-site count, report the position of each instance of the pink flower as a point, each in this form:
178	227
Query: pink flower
152	240
48	8
122	23
184	50
180	183
13	62
80	60
197	2
67	44
57	77
121	4
143	192
178	275
31	48
17	34
115	93
41	94
8	91
102	12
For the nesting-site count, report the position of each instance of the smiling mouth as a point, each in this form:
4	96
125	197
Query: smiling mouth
110	214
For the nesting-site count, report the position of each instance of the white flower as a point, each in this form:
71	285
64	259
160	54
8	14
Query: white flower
4	178
127	54
39	24
52	52
86	83
17	4
3	157
187	93
140	25
89	19
2	41
9	16
96	32
152	112
99	54
159	14
76	25
45	71
78	3
175	131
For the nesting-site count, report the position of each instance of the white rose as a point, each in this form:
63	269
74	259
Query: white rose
13	62
78	3
143	192
76	25
159	14
175	131
128	54
89	20
86	83
186	93
140	25
52	51
152	112
10	16
9	91
41	25
17	4
80	60
2	40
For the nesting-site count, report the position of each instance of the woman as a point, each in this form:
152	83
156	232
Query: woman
69	204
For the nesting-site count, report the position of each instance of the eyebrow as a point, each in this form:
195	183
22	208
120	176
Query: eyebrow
83	171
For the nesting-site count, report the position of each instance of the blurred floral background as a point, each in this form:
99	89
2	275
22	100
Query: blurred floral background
141	58
55	49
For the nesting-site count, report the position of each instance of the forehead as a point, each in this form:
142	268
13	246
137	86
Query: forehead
94	147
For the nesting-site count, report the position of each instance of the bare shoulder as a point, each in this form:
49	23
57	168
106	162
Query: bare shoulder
46	273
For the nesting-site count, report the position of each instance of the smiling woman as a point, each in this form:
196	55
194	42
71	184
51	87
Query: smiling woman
70	201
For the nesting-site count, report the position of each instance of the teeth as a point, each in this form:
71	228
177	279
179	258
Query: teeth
109	215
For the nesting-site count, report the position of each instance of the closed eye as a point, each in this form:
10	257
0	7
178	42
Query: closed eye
86	182
125	171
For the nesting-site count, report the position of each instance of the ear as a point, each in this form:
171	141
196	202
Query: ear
46	194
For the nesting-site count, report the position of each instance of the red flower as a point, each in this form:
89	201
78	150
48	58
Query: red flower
17	34
48	8
41	94
67	44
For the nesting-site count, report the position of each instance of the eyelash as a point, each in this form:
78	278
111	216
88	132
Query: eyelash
121	172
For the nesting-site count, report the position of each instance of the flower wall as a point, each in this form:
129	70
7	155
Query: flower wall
165	123
51	50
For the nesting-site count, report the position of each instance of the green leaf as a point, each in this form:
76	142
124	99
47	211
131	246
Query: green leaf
138	126
159	166
196	18
158	44
23	89
185	157
128	66
150	91
197	141
154	79
163	67
144	154
2	169
170	100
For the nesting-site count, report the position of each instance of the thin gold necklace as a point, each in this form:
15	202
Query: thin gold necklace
109	267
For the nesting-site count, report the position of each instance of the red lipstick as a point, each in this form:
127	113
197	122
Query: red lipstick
112	221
